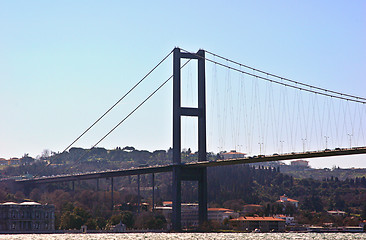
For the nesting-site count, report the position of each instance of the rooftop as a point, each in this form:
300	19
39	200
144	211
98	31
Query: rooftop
30	203
288	200
23	203
252	205
220	209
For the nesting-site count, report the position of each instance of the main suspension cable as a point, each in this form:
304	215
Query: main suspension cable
110	109
125	95
286	79
281	83
134	110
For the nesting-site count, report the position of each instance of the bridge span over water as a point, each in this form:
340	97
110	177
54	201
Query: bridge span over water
347	123
192	165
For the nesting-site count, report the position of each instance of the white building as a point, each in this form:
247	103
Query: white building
189	215
27	217
289	220
220	214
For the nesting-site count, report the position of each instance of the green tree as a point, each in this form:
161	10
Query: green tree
101	223
127	218
35	194
84	215
91	224
115	219
70	221
19	196
150	221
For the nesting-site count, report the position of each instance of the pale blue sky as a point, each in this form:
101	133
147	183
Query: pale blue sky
63	63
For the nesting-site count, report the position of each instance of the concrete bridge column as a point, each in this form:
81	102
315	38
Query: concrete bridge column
199	175
202	196
177	198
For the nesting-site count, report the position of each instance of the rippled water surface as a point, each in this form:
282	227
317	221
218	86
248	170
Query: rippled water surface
183	236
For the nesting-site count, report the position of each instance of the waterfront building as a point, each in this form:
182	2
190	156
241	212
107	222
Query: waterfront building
27	217
189	215
289	220
264	224
220	214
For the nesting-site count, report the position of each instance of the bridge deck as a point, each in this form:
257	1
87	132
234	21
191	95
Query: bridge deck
290	156
168	168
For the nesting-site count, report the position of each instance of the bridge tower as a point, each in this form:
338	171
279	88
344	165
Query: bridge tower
180	172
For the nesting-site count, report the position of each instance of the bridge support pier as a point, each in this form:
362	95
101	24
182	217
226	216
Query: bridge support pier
202	196
177	198
180	172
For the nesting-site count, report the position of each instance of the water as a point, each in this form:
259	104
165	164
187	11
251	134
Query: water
185	236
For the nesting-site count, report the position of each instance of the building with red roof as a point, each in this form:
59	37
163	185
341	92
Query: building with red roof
284	199
220	214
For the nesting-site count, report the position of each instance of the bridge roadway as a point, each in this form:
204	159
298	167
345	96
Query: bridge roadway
169	168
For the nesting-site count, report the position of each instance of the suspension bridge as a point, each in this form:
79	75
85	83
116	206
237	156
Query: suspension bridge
260	116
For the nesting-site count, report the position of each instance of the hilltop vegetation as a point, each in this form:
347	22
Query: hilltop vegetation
321	174
95	159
